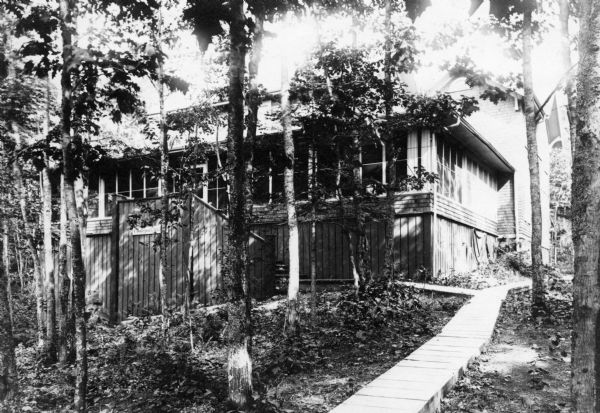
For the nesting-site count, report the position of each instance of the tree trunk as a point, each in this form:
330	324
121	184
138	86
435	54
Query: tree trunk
586	217
238	336
253	99
164	171
362	245
66	324
28	233
46	194
19	258
66	26
291	318
537	276
345	230
313	231
390	170
6	263
8	365
49	264
565	53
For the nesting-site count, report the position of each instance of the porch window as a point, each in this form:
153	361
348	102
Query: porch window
217	192
124	183
93	196
152	185
108	188
217	185
372	172
137	183
200	184
401	160
262	169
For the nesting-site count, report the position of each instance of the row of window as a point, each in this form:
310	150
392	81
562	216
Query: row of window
464	180
460	177
268	186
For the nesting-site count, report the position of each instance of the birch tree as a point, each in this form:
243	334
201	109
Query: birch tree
291	318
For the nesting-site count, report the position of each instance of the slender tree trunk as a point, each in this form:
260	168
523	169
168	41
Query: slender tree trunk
164	171
390	170
345	230
238	336
49	263
67	26
253	99
6	263
362	244
19	258
538	290
46	195
8	365
28	233
313	231
66	323
565	53
188	287
585	364
291	318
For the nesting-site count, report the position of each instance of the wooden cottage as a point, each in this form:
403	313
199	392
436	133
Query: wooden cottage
481	200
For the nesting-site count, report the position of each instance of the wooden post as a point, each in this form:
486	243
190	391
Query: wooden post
433	227
113	289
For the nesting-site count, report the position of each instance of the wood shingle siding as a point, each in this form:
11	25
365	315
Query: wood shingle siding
457	212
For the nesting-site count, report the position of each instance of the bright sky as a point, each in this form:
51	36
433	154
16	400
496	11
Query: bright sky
294	40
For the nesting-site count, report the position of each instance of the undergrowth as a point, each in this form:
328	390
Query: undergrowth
133	368
506	268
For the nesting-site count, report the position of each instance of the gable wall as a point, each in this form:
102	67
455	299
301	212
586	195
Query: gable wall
504	127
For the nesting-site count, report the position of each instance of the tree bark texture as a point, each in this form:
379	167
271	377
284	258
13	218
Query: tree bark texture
66	323
586	217
291	318
164	171
8	365
565	52
66	27
537	276
253	99
49	264
28	234
313	231
362	263
6	263
390	170
238	334
19	258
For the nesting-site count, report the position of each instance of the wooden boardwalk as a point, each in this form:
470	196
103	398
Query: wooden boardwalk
418	383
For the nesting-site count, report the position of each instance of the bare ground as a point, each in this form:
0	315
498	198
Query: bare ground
527	366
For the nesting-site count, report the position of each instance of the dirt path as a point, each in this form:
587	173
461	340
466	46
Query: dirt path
527	366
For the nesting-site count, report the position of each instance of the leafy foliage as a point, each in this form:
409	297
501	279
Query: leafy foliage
207	18
131	368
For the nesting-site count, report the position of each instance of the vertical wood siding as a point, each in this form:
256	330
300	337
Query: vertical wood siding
459	247
411	246
204	240
137	261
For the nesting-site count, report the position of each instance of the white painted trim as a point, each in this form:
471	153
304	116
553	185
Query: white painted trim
383	163
101	198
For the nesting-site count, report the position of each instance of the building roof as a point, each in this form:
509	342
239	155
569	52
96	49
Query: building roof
480	147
